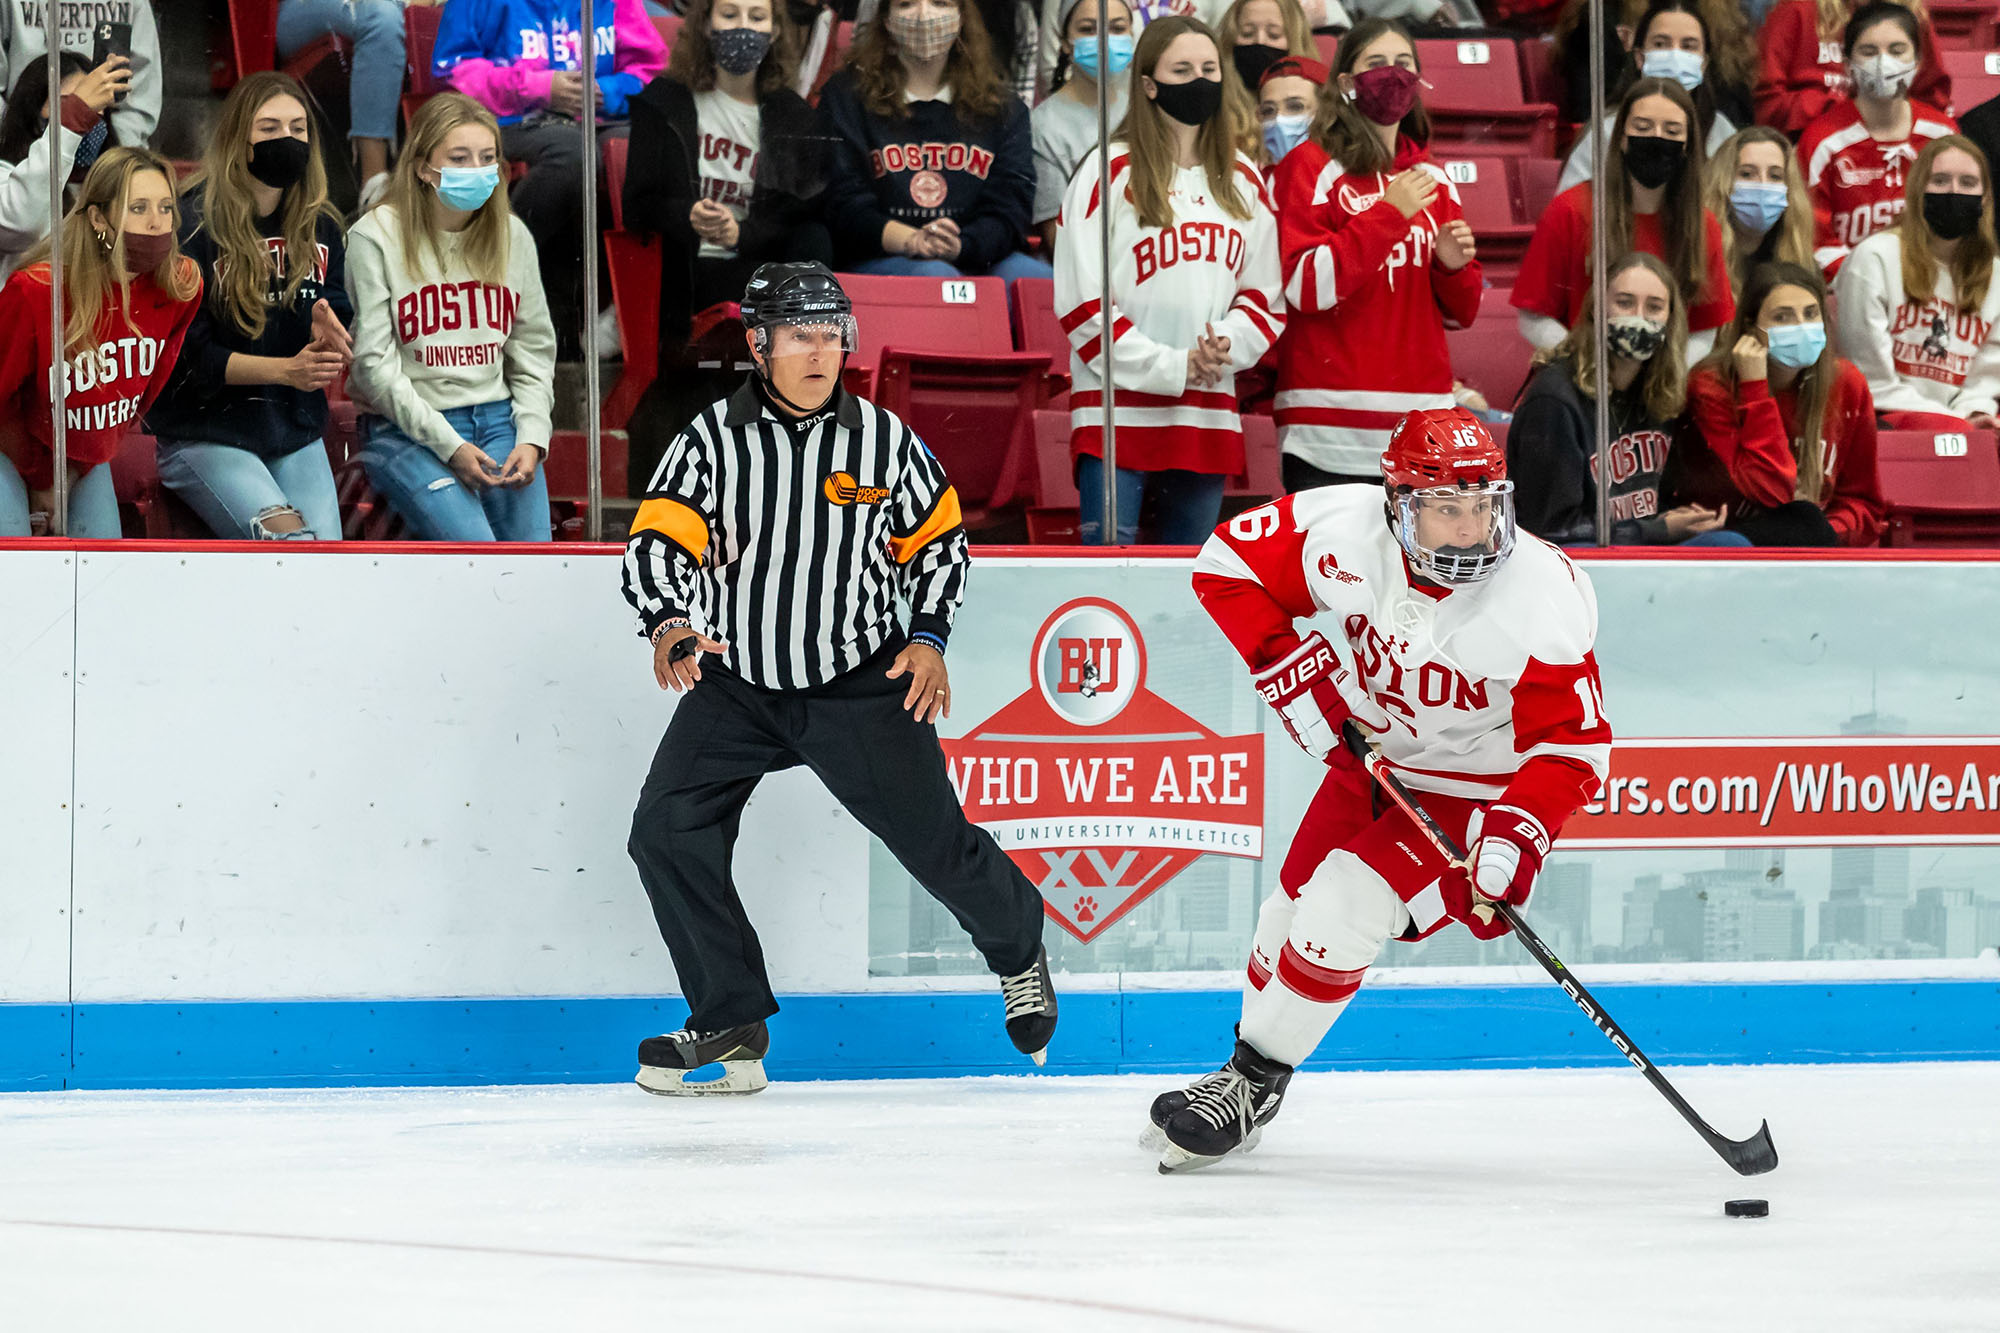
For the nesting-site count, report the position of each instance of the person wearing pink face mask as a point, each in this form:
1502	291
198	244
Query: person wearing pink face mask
1376	255
129	296
932	167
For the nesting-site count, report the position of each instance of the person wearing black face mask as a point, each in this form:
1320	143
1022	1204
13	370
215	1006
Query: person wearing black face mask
726	170
1255	35
1653	205
1917	307
26	143
243	423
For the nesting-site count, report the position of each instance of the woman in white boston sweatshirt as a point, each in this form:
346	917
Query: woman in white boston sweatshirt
454	353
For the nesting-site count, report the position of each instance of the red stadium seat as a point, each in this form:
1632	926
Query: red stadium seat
568	468
1489	197
1053	465
1476	102
1541	76
1036	329
942	353
1262	473
253	34
420	32
1963	25
616	155
1491	355
836	55
1942	490
634	266
1535	185
669	26
1329	46
1975	76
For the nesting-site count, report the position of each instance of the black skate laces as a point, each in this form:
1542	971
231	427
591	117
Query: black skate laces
1023	993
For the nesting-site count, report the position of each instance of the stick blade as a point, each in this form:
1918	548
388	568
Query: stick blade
1752	1156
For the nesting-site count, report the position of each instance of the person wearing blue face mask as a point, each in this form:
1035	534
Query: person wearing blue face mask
1783	429
1671	41
26	142
1755	186
1064	125
1287	100
454	351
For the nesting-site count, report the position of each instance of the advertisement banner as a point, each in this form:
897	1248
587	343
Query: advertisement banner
1807	792
1099	789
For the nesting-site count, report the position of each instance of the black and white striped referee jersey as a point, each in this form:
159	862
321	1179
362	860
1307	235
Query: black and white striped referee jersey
791	541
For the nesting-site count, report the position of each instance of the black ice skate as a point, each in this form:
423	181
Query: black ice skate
1225	1111
1031	1008
665	1062
1168	1103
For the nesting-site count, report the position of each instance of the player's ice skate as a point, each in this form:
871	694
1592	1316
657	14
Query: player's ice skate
1030	997
1223	1112
666	1062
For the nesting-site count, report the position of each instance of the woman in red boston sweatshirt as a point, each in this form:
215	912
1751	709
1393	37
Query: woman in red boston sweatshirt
128	298
1784	429
1803	70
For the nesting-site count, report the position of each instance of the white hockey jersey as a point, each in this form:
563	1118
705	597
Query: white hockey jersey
1492	688
1918	356
1167	283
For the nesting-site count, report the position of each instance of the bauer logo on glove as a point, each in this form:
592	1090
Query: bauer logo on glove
1313	694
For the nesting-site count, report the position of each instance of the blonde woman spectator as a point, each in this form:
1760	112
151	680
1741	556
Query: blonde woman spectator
1755	188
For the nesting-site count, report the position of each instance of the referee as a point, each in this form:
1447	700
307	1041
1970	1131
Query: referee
777	537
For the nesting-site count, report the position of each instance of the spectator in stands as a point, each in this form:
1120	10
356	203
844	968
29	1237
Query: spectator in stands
1187	325
1784	430
1728	70
454	355
1376	255
1806	71
1671	42
25	143
1855	151
1011	32
1754	185
932	168
21	43
1286	100
724	166
242	424
1918	308
1655	207
1063	127
128	298
375	88
520	58
1552	446
1256	35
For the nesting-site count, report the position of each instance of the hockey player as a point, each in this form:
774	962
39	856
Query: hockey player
1466	654
778	536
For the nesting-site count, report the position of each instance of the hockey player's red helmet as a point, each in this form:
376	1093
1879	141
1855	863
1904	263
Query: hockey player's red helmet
1450	502
1443	446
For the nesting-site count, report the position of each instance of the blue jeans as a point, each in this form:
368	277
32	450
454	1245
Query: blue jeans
429	495
1188	505
376	28
233	489
93	504
1717	537
1016	265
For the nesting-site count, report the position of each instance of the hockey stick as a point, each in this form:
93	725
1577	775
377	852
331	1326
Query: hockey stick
1747	1157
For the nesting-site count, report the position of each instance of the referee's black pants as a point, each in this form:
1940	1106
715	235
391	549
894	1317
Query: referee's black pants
879	762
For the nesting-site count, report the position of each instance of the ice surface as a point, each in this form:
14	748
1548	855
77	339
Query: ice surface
1396	1201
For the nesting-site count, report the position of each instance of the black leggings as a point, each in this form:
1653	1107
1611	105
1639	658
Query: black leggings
1800	523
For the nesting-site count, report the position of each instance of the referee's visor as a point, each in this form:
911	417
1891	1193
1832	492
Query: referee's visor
822	335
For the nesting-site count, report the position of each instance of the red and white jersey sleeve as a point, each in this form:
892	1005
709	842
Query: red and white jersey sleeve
1856	180
1370	304
1493	689
1207	270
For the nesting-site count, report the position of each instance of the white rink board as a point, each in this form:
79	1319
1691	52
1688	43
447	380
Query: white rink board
343	775
37	593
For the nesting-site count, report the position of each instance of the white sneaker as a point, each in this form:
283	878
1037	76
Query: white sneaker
372	191
608	346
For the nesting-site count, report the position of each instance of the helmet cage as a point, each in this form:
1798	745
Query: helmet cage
842	323
1455	566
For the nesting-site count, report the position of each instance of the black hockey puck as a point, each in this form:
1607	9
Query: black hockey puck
1747	1208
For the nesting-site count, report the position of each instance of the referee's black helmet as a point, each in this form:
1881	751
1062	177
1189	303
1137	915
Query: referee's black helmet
805	293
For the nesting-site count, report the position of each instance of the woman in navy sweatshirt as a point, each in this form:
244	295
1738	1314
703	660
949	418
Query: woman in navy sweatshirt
932	170
242	424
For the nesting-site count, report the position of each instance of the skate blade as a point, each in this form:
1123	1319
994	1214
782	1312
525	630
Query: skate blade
1176	1160
739	1078
1154	1140
1040	1057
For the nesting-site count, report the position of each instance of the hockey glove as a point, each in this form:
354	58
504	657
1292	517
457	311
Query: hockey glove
1313	694
1508	847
